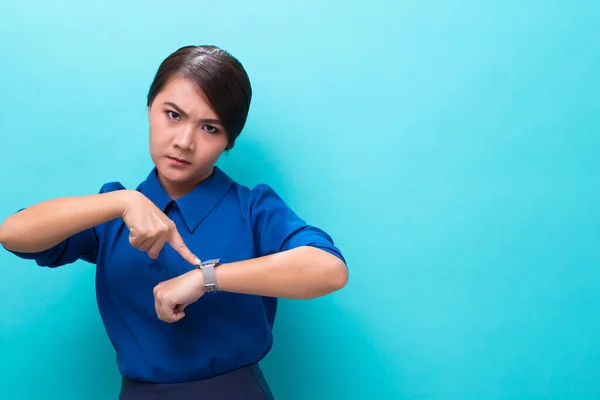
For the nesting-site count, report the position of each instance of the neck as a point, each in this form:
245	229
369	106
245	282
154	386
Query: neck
176	190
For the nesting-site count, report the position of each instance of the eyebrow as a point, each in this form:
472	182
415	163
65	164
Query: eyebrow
183	113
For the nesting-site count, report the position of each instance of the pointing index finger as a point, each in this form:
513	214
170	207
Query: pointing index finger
176	241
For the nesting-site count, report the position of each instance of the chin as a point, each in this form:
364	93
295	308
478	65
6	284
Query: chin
179	175
175	176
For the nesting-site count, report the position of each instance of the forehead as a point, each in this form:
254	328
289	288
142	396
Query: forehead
187	95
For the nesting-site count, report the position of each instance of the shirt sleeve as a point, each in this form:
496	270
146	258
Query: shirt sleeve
80	246
278	228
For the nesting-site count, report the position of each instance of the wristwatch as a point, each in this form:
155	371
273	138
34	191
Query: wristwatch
208	272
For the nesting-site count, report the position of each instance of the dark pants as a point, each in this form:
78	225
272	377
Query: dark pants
247	383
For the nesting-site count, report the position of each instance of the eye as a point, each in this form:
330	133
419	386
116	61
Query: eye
210	129
173	115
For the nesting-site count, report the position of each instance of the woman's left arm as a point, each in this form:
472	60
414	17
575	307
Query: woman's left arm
302	273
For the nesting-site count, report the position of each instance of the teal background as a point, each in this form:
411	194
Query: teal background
450	148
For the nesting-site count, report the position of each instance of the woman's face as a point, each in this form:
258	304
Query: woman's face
186	136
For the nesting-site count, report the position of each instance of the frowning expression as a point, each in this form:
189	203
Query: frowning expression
186	136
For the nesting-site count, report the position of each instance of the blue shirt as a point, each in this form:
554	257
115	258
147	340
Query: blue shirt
220	332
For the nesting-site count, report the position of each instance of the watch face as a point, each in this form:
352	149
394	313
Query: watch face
211	263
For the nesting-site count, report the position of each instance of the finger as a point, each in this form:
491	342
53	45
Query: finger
156	247
170	314
136	241
146	244
167	311
176	241
177	313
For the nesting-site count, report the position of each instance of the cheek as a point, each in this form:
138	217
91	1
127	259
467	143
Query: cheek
209	150
218	146
158	134
152	138
219	142
157	142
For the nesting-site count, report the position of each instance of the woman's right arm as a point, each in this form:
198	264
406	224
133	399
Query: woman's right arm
46	224
49	223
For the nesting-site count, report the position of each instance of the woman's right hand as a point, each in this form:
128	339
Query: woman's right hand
150	228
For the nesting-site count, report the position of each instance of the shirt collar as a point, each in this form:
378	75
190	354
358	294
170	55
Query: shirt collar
196	204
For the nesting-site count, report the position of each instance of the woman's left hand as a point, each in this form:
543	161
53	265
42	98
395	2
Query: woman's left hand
173	296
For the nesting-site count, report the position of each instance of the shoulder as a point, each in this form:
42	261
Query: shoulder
258	197
111	187
260	203
262	192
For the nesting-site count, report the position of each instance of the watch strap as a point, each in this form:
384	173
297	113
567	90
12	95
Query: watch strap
208	272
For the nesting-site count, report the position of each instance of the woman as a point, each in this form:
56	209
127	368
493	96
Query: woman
184	328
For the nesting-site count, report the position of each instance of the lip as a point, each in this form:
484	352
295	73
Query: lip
179	161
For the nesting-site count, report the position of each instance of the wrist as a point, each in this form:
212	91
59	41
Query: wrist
124	200
198	281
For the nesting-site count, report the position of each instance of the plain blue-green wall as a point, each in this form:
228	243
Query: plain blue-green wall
450	148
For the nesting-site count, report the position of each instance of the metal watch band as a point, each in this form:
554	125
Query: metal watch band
208	272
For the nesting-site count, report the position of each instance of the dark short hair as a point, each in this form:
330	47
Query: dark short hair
219	76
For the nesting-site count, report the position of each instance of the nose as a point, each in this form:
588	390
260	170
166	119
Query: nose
184	139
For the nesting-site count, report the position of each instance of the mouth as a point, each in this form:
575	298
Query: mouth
179	160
